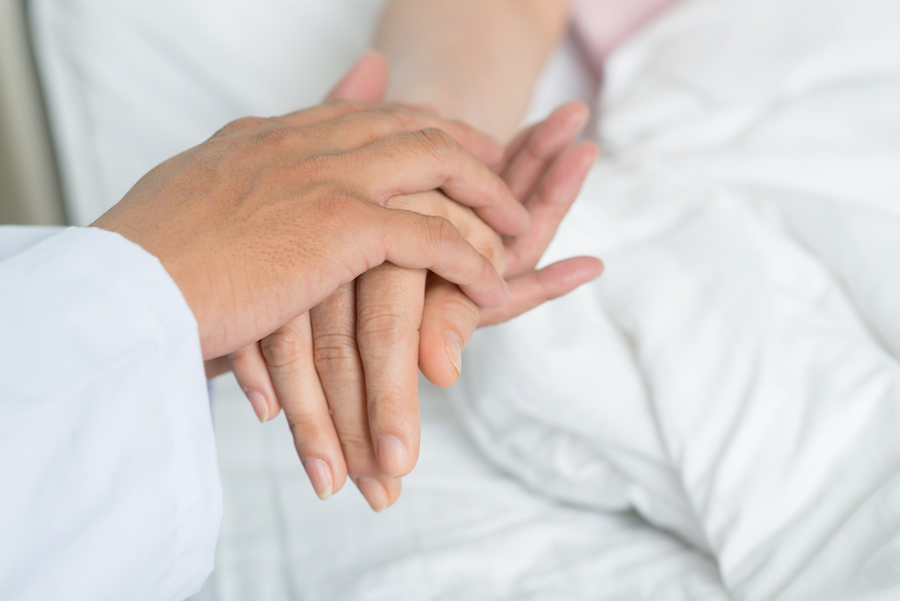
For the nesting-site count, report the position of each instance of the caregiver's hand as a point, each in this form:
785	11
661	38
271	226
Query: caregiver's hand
270	216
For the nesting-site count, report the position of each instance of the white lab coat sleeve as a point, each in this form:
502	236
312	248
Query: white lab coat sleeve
109	485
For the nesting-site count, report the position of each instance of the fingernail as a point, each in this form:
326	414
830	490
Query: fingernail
374	493
319	476
259	404
453	346
392	455
506	289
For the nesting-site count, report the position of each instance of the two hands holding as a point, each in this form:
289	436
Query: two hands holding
331	253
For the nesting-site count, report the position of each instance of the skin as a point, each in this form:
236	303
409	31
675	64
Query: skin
364	337
471	60
270	216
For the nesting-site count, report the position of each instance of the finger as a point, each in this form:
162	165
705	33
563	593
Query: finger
463	311
216	367
530	135
429	159
289	355
366	81
548	205
474	230
252	373
408	239
448	320
542	144
513	149
343	382
389	311
537	287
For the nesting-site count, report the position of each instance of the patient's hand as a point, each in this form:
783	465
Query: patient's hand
346	374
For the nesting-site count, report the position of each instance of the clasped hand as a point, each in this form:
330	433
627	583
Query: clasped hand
346	372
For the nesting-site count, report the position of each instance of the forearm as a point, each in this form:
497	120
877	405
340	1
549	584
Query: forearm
473	60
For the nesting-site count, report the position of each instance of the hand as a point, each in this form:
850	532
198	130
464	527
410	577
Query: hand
268	217
313	366
371	388
544	171
374	381
330	371
288	353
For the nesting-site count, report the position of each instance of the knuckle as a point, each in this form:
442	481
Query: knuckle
392	406
383	123
238	125
461	309
283	348
242	124
315	168
340	208
381	327
358	451
400	121
337	172
276	135
353	106
449	307
335	353
492	248
307	431
442	234
419	202
436	142
312	436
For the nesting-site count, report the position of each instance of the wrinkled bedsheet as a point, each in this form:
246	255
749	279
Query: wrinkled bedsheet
734	375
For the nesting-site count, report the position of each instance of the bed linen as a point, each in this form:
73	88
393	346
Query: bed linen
734	375
717	417
462	530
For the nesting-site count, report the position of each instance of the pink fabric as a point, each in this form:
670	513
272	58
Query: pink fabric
603	24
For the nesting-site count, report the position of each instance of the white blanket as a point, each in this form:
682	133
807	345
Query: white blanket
733	377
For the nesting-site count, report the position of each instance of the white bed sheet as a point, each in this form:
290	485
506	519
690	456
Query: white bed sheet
462	530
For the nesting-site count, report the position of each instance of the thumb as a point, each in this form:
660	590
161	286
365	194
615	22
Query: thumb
366	81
